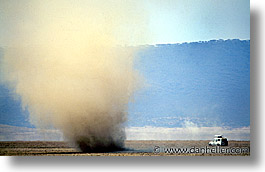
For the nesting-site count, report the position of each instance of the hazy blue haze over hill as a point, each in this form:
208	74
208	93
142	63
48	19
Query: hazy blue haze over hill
201	84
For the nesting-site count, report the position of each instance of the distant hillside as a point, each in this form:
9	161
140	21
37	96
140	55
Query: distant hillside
200	84
189	84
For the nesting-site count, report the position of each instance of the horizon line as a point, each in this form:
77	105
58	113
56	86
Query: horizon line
166	43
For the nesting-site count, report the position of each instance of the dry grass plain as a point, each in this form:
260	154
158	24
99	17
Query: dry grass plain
133	148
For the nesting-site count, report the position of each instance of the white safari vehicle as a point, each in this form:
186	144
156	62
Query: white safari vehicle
218	140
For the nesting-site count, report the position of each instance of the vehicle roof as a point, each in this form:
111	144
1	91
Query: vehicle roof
220	138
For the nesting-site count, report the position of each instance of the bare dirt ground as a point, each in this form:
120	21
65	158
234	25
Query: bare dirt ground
132	148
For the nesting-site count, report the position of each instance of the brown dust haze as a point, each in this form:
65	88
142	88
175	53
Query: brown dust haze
65	62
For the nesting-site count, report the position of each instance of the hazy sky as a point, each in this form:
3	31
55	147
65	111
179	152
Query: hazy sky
196	20
165	21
